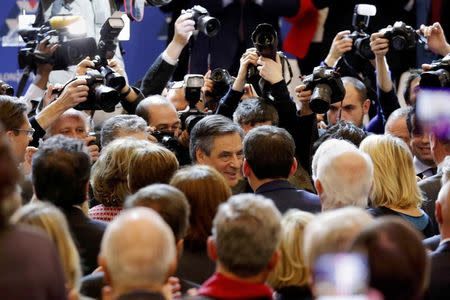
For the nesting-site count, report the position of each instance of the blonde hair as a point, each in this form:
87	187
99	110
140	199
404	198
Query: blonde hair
205	188
395	182
153	164
109	173
49	218
291	270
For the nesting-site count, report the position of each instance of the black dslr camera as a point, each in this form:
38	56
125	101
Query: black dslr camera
222	81
401	36
104	83
360	22
203	21
100	96
438	76
265	40
327	88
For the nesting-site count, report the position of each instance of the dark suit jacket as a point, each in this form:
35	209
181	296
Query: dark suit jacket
30	265
87	234
286	196
440	273
430	187
156	77
432	243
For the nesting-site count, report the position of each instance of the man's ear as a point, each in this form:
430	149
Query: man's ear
294	167
276	256
246	169
366	106
438	212
200	156
318	186
212	249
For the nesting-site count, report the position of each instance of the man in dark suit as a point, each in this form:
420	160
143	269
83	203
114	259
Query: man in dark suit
440	150
440	258
269	160
60	174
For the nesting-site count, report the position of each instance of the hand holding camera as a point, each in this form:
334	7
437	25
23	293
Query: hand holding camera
379	45
74	93
250	57
184	27
270	70
341	44
435	38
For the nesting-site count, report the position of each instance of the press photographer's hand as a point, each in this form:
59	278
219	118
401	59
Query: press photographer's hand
250	57
270	70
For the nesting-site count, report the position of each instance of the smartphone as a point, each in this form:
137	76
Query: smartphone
341	276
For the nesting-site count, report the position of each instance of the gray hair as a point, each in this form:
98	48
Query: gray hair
70	113
254	111
138	248
247	230
206	130
326	148
121	123
399	113
346	179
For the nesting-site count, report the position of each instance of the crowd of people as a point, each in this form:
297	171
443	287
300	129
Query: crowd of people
244	196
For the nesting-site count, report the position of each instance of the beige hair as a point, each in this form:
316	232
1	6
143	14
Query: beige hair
205	188
110	171
333	231
291	269
395	182
152	164
49	218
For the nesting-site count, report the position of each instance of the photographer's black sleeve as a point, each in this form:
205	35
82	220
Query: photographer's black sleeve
157	77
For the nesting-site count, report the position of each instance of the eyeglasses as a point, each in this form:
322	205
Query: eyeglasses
29	132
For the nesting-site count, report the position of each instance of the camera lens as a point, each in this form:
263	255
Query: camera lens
398	43
208	25
320	98
438	78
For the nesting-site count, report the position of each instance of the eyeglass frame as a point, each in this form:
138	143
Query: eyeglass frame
30	132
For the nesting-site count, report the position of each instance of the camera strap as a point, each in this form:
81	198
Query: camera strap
285	60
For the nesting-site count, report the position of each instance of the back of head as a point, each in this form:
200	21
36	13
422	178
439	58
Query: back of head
398	262
112	127
169	202
206	130
345	179
395	182
342	130
205	189
291	269
60	171
138	250
144	107
269	151
246	233
328	148
110	171
12	112
445	170
333	231
49	218
152	164
254	111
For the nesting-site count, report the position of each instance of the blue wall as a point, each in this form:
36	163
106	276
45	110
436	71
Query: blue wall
144	46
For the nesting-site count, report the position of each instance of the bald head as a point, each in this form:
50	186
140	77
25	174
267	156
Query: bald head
344	179
396	124
159	113
138	250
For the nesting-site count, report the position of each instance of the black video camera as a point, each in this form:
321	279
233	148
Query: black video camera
203	21
68	53
222	81
401	36
439	74
327	88
360	22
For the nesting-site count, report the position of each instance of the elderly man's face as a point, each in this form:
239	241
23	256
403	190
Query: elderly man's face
226	157
351	110
71	126
398	128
